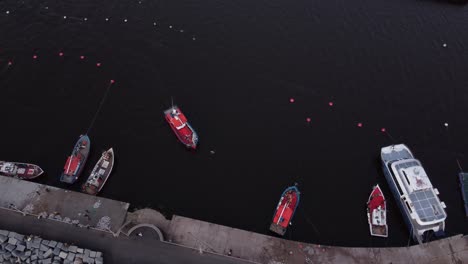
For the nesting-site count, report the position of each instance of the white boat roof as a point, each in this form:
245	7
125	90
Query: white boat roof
419	191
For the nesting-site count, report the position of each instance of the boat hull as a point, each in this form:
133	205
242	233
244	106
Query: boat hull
285	210
463	177
181	127
76	161
377	213
19	170
396	154
100	173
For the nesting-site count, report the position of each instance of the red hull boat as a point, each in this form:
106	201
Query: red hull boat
285	210
179	124
377	213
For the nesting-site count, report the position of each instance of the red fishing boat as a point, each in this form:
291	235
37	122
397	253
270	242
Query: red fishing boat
179	124
285	210
377	213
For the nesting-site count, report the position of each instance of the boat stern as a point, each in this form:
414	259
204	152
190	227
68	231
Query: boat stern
67	179
277	229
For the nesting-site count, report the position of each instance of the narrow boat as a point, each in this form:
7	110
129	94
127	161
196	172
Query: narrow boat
100	173
463	177
178	122
285	210
24	171
377	213
76	161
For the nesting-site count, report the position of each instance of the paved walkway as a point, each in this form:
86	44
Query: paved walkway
125	250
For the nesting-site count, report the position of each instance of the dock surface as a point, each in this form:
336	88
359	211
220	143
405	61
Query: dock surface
73	207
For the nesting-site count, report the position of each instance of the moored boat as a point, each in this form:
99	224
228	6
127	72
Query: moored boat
377	213
20	170
76	161
424	213
100	173
181	127
285	210
463	177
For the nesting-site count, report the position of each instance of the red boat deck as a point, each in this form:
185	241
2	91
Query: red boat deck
180	126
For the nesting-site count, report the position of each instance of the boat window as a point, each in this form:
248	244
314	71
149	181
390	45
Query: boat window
409	208
406	177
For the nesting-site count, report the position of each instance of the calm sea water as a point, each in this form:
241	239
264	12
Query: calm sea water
232	67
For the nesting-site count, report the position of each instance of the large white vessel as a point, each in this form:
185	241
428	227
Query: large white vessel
419	203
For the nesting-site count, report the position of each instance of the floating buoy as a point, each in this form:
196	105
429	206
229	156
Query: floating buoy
383	129
64	17
82	57
193	38
444	45
291	100
46	7
446	124
98	64
308	120
107	19
359	124
330	103
60	54
170	26
112	81
85	19
34	56
10	63
154	24
181	31
7	12
125	20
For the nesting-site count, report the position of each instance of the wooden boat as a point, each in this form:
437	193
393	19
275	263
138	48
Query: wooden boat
285	210
100	173
377	213
24	171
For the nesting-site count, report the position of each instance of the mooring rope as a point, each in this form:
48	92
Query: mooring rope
99	107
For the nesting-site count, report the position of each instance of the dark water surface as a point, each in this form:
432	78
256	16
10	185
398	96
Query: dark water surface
232	71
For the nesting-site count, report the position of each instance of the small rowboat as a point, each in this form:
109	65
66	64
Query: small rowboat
377	213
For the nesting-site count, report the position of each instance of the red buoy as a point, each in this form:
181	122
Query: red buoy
112	81
60	54
82	57
359	124
34	56
291	100
308	120
10	63
330	103
383	129
98	64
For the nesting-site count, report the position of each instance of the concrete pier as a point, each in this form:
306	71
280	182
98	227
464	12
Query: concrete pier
32	199
71	207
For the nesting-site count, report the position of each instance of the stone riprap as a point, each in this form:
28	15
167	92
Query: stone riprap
17	248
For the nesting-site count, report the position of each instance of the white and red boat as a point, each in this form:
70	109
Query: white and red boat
179	124
285	210
20	170
100	173
377	213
